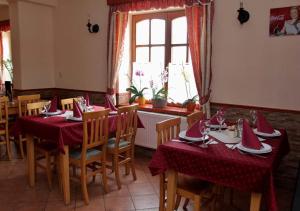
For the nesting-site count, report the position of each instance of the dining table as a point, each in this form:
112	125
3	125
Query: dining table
65	133
224	166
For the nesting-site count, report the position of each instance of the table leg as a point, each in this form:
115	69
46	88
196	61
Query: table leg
65	177
171	189
255	201
30	160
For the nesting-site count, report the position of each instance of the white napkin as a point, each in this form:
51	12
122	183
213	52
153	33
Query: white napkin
225	137
66	114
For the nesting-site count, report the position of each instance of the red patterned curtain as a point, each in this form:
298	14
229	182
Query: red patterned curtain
199	21
117	27
136	5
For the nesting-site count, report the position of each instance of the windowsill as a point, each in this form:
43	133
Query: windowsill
166	110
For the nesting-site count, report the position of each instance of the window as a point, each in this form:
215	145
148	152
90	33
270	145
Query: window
6	55
159	42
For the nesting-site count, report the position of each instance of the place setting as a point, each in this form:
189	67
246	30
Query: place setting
197	134
50	109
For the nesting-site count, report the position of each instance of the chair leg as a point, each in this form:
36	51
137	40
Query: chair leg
74	170
127	170
21	147
8	148
132	165
197	203
162	192
104	177
49	170
186	202
58	170
177	201
117	172
84	186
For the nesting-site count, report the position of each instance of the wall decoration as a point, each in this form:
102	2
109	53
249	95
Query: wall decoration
285	21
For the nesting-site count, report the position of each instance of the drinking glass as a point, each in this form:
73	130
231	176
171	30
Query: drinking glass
253	117
240	128
46	109
220	119
204	130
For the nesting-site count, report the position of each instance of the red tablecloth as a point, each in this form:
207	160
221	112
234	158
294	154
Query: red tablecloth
58	129
223	166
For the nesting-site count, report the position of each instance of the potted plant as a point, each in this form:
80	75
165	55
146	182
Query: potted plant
159	92
159	99
190	103
135	92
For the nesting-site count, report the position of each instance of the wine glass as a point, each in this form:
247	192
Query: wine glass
220	119
46	109
240	127
204	130
253	117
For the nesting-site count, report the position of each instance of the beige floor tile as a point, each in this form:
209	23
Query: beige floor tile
146	201
118	203
141	189
30	206
59	206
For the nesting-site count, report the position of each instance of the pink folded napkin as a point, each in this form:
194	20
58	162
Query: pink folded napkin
109	103
194	131
53	106
249	139
76	110
87	99
262	124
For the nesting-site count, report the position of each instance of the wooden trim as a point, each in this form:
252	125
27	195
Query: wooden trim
179	111
256	107
58	89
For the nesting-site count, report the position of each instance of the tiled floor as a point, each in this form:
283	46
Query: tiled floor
141	194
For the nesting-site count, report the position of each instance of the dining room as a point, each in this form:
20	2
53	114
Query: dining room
149	105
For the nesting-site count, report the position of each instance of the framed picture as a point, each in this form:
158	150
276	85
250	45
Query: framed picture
285	21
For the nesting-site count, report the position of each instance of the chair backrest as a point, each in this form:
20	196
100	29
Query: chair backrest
126	124
167	130
194	117
67	104
23	100
4	109
34	109
95	131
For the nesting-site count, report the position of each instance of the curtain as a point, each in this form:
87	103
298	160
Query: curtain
116	34
136	5
199	21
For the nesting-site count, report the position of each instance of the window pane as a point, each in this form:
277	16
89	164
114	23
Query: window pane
142	32
158	55
179	31
158	31
178	55
181	82
142	54
151	71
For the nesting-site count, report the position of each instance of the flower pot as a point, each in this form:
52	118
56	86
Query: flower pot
191	106
159	103
141	101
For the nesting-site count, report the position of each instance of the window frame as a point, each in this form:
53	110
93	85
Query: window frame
168	16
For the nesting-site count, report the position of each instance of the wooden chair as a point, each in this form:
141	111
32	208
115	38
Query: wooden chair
194	117
44	149
4	125
121	148
187	187
23	100
67	104
93	151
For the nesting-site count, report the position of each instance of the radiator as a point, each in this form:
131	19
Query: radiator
146	137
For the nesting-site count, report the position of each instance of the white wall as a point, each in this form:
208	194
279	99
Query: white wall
249	66
32	45
80	56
